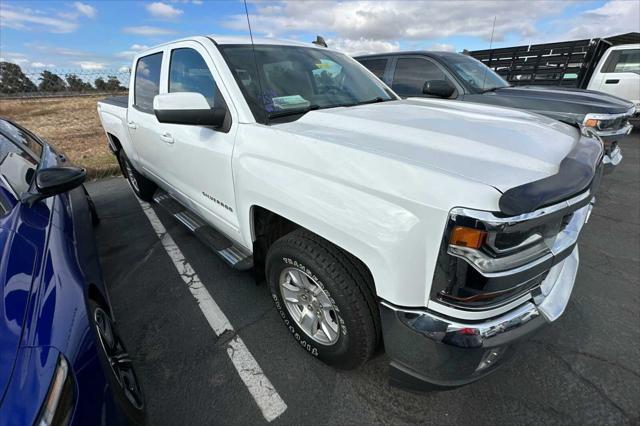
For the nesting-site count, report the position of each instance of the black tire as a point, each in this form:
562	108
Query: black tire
142	187
347	284
117	365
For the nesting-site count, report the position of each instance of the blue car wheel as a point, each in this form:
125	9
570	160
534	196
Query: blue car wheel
117	364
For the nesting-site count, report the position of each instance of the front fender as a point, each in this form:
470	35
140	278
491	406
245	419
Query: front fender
392	220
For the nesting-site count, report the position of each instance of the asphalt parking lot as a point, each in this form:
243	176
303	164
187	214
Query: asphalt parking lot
583	369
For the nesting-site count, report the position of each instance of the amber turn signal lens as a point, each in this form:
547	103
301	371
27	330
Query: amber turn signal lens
467	237
592	122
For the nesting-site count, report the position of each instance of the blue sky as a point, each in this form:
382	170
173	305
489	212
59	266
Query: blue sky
103	35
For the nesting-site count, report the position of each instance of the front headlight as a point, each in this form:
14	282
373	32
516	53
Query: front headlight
607	122
486	260
58	405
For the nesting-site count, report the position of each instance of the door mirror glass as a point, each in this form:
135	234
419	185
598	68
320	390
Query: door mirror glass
440	88
187	108
53	181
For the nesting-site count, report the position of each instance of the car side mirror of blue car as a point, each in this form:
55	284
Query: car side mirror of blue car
53	181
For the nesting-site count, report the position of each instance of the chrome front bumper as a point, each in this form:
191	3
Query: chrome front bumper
428	349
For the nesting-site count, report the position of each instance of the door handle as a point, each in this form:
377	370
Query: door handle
132	124
166	136
612	82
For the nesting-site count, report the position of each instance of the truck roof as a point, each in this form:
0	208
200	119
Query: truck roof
261	40
431	53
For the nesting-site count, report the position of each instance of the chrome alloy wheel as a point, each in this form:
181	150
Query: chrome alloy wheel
309	306
118	358
131	177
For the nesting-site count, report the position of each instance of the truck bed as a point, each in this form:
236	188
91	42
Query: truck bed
120	101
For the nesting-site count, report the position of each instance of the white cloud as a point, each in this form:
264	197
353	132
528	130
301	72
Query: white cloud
29	19
133	50
85	9
395	20
18	61
163	10
148	31
443	47
362	46
124	69
15	58
41	65
88	65
612	18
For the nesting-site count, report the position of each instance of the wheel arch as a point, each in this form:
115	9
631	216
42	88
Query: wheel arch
268	226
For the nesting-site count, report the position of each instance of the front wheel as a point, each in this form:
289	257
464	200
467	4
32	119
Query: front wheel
324	299
142	187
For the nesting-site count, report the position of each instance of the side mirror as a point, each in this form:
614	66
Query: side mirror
440	88
187	108
53	181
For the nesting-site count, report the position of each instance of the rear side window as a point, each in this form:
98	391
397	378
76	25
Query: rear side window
147	83
17	166
412	73
188	72
376	66
624	61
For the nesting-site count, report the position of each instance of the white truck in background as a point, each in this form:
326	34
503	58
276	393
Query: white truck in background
446	230
618	73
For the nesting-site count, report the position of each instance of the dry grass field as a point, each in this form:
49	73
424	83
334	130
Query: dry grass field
71	125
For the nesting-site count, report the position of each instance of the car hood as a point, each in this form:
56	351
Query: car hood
500	147
558	101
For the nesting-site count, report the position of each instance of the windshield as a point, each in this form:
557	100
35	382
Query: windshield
475	73
294	80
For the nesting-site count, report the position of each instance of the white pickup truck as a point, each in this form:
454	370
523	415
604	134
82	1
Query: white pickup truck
445	230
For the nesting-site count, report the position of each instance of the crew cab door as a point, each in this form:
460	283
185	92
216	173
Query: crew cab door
141	121
618	74
409	73
197	159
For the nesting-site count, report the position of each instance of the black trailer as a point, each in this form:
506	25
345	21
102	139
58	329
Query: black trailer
567	63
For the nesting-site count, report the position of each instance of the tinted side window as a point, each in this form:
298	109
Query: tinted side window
17	167
23	138
411	74
376	66
147	83
188	72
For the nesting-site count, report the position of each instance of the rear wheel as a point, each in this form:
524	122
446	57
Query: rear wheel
143	187
117	365
324	299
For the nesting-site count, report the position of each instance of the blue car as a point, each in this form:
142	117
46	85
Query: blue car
61	360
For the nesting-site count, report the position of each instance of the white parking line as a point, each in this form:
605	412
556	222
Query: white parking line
247	367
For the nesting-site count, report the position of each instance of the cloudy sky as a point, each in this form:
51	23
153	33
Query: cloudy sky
103	35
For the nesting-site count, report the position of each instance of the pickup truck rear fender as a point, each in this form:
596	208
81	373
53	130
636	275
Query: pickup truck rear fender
394	228
114	123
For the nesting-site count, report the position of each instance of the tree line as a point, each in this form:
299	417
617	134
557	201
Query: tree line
13	80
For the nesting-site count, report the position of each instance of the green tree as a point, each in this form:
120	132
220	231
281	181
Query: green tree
113	84
50	82
100	84
76	84
13	80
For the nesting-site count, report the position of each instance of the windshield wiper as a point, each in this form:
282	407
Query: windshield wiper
492	89
298	111
372	101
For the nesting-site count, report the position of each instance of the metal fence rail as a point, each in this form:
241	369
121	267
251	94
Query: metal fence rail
16	83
